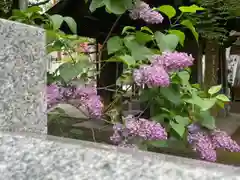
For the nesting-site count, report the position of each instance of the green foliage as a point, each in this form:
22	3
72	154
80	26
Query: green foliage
113	6
168	10
167	42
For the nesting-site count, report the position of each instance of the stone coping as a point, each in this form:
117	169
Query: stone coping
30	156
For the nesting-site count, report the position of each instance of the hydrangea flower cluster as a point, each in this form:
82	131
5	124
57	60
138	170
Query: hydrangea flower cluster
206	143
157	73
173	61
83	98
152	76
143	11
137	128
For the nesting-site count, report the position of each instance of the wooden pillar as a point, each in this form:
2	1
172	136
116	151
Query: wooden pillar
192	47
212	63
109	73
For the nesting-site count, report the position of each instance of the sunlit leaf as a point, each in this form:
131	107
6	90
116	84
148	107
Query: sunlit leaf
57	21
189	25
214	89
179	34
168	10
71	24
222	97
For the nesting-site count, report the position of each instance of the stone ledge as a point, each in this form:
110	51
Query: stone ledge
24	156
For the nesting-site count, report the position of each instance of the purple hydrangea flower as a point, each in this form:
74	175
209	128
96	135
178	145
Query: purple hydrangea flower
202	144
173	60
54	95
85	98
93	106
222	140
143	11
138	128
152	76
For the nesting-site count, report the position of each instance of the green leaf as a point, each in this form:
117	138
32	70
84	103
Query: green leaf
34	9
189	25
139	52
127	28
190	9
128	60
57	21
116	6
171	95
207	120
114	44
68	71
178	128
179	34
71	24
147	29
167	42
184	76
204	104
220	103
208	104
222	98
95	4
182	120
168	10
143	38
214	89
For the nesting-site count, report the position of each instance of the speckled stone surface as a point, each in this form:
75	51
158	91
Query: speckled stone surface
22	77
25	157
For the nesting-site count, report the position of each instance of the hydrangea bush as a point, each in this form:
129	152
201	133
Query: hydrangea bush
179	111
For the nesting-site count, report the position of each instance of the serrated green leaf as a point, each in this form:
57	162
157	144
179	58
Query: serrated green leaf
71	24
214	89
168	10
114	44
222	98
179	34
57	21
188	24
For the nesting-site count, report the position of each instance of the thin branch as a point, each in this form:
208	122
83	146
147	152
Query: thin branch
39	3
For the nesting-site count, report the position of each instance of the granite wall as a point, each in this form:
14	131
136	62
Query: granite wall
22	78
